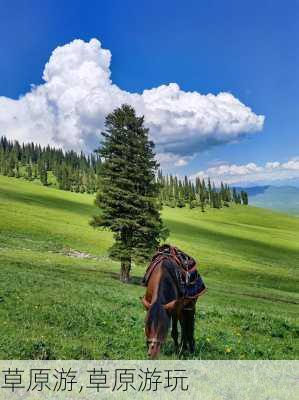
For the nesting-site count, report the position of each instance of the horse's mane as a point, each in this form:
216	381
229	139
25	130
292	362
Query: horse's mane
158	313
168	291
171	267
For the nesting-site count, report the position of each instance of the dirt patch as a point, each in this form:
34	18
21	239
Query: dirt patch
82	255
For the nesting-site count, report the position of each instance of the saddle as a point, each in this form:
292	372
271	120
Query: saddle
190	282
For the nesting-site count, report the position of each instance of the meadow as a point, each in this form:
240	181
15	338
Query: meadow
60	296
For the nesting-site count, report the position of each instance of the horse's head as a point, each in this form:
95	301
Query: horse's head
157	323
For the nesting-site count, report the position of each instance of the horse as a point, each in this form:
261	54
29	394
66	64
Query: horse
166	306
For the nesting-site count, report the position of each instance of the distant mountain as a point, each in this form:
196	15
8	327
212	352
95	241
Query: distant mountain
281	198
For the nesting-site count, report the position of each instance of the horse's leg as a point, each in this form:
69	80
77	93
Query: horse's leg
174	332
190	316
183	323
191	323
187	324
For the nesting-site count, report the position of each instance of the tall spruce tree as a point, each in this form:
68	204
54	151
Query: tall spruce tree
43	175
128	195
244	197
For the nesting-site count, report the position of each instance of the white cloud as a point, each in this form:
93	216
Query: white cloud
181	162
168	160
252	173
292	164
232	170
69	108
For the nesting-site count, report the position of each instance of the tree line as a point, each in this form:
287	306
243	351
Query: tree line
66	170
176	192
80	173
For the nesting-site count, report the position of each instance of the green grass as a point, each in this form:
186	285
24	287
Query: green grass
53	305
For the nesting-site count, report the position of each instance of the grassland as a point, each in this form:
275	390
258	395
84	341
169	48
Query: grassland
56	305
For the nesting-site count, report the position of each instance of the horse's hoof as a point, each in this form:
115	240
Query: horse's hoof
182	349
192	348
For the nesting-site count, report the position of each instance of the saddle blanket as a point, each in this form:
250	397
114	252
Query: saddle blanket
190	282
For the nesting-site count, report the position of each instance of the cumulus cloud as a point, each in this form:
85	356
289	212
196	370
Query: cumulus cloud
69	108
169	160
252	173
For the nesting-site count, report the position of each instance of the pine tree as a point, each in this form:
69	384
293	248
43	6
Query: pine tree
203	195
238	199
235	195
11	165
210	192
17	174
244	197
65	166
34	171
29	172
43	175
128	196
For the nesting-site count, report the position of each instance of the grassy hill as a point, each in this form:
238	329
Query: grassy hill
60	296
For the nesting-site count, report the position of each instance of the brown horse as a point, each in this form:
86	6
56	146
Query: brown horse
165	305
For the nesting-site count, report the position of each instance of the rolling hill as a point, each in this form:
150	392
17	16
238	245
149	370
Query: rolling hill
60	297
280	198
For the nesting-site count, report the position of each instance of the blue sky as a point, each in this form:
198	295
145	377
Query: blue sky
249	49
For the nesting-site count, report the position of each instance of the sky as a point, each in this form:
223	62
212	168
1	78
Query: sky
217	81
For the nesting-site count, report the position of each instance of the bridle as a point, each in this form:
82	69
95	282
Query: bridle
153	341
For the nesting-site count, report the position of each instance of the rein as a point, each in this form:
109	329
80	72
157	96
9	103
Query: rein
153	341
